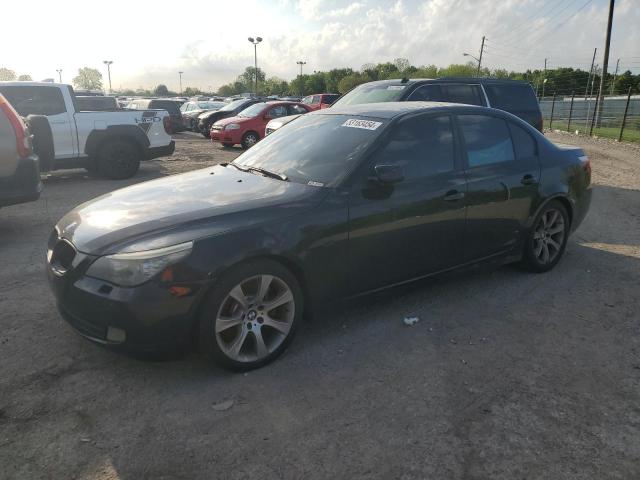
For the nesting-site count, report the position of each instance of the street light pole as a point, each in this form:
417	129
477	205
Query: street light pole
59	70
301	63
255	42
180	73
108	64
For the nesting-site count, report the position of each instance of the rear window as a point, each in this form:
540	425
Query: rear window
168	105
329	99
96	104
34	100
371	93
512	98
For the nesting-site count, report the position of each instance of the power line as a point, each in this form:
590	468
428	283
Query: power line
527	21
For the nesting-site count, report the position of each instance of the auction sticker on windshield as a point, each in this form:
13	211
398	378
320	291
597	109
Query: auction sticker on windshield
366	124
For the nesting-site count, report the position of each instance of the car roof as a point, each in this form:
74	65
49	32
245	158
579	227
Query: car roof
413	81
390	110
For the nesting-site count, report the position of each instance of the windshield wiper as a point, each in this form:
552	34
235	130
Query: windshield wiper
269	173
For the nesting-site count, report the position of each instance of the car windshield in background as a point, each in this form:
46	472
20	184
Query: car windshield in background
369	93
209	105
252	111
233	105
315	149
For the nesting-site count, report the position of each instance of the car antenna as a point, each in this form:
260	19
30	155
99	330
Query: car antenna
404	80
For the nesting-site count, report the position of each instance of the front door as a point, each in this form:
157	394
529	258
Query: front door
502	175
414	227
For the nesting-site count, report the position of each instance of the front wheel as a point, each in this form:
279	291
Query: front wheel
547	239
249	140
251	316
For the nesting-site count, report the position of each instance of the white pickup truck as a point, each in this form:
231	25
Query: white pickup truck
111	143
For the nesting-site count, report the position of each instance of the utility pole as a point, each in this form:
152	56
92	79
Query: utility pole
480	59
59	70
605	63
615	75
108	64
586	91
180	73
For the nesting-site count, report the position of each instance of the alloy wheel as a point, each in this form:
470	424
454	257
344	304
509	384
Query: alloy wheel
255	318
548	237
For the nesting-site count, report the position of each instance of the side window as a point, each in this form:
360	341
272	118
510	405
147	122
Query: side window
523	143
487	140
296	109
469	94
428	93
422	146
512	98
316	99
278	111
35	100
307	100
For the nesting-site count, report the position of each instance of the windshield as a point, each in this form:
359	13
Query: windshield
209	105
315	149
233	105
371	93
252	111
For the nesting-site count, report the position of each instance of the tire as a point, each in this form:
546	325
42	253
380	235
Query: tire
227	145
249	139
42	140
547	239
91	166
118	159
205	131
234	343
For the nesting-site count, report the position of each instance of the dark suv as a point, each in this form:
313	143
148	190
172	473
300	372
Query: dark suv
512	96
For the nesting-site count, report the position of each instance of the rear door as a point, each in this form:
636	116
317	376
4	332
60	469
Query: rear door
518	99
503	171
45	100
415	227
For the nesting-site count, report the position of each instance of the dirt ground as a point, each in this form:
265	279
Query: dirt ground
507	375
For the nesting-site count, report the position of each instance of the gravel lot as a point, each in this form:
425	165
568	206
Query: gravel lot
507	375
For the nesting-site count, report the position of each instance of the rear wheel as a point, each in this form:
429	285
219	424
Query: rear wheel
249	139
252	315
547	239
118	159
42	140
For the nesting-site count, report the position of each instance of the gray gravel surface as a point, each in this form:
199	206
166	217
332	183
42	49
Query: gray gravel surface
507	375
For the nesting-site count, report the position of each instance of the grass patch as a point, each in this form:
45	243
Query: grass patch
630	133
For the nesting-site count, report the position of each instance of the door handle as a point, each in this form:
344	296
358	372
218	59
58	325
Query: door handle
528	179
453	196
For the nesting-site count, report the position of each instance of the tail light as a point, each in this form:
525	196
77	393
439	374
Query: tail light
23	140
586	165
166	123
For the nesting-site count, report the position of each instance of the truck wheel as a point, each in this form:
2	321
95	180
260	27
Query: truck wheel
42	140
118	159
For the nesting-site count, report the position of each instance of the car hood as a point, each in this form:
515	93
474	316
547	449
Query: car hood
181	208
227	121
215	114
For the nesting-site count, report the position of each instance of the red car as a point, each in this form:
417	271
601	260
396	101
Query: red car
320	100
248	127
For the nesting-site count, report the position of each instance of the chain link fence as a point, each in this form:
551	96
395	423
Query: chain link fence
619	117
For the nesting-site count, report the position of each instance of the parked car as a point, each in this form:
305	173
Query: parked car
192	110
277	123
341	202
171	106
320	100
248	127
207	119
511	96
19	169
97	104
109	143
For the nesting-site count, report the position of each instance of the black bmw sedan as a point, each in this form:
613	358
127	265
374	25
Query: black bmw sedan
340	202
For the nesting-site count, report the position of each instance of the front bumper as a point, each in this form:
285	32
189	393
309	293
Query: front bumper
24	185
164	151
226	136
145	318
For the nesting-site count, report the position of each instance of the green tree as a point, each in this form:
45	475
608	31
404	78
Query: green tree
248	79
6	74
25	78
192	91
350	81
315	84
275	86
624	81
88	79
402	64
161	90
333	77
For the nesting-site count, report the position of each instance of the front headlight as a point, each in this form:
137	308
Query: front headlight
131	269
232	126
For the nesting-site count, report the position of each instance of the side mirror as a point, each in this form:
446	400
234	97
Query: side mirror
388	174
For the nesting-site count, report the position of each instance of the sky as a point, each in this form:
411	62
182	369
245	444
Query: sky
150	41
